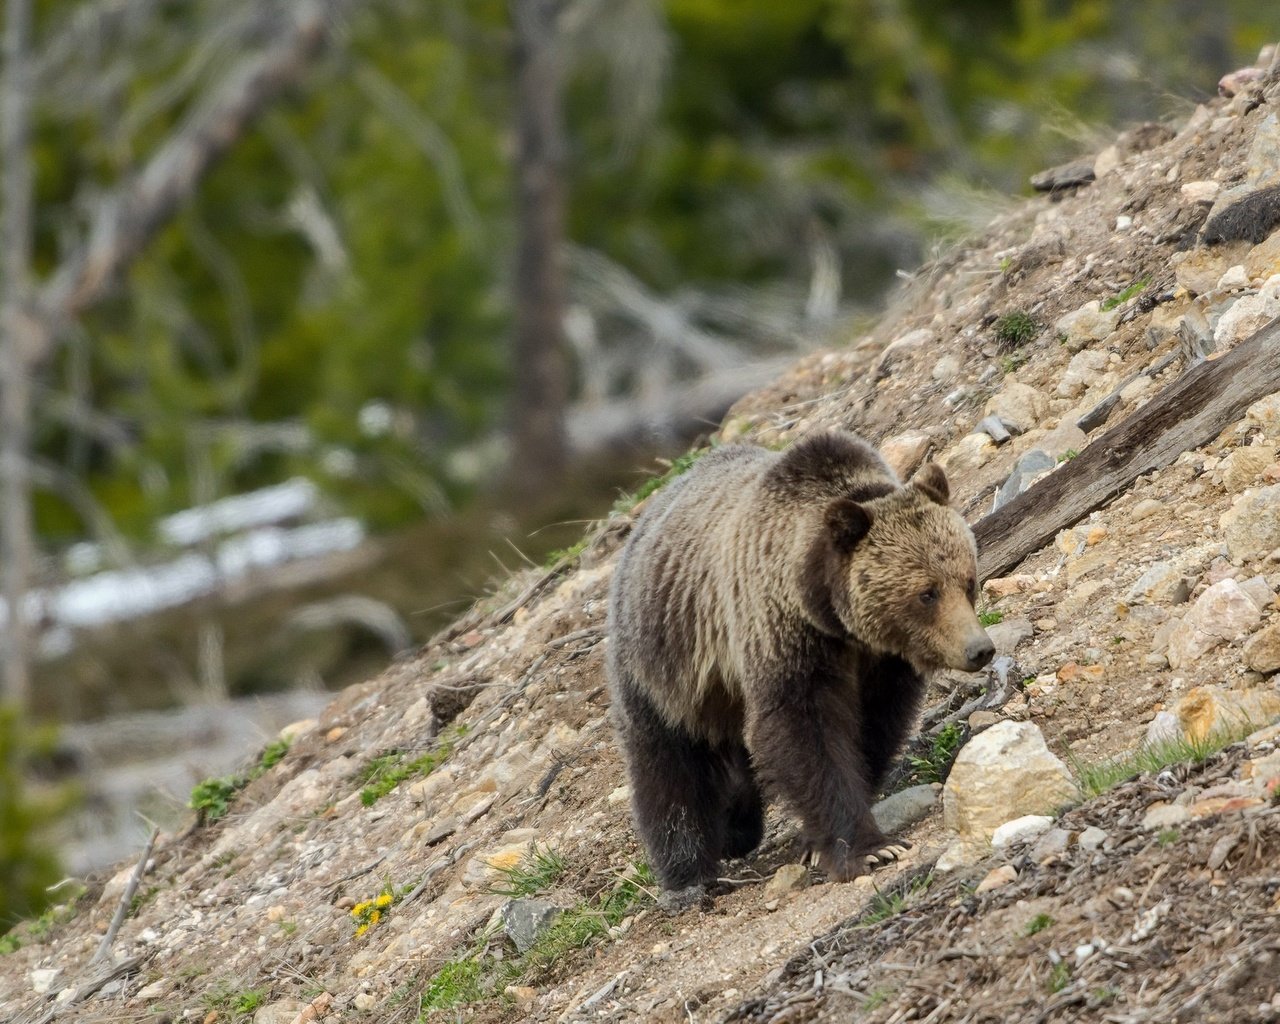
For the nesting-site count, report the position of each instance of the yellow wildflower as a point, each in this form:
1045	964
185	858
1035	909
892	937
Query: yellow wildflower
361	930
375	917
384	900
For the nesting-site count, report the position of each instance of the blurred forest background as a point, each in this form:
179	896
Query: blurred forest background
314	313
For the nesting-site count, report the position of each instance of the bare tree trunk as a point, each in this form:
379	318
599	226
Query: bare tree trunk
540	388
21	338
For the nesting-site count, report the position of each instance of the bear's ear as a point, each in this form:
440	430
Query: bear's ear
847	522
931	481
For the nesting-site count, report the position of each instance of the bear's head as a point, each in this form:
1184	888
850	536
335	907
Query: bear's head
899	573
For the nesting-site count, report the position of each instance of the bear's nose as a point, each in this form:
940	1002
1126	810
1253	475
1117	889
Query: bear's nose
979	651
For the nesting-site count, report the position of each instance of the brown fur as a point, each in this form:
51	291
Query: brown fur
770	621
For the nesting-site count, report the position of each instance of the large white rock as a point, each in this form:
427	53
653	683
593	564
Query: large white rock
1002	773
1248	315
1251	526
1224	612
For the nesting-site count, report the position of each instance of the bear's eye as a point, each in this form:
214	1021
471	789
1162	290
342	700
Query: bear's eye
929	596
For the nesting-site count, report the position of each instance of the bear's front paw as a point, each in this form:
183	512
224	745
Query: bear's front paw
891	851
841	863
676	901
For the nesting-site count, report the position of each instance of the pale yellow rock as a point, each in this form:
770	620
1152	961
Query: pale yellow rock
1002	773
787	878
1243	466
973	451
1211	710
997	878
906	451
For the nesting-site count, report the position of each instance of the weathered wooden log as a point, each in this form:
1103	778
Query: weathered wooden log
1188	413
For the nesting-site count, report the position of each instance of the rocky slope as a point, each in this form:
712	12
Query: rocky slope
451	839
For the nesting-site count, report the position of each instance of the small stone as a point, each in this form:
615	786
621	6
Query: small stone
1262	651
973	451
1029	466
619	795
1208	710
1021	830
1248	315
492	863
1082	371
960	854
153	991
1162	815
947	368
284	1011
902	809
1073	672
276	913
525	920
787	878
982	719
1145	509
1005	770
994	428
42	979
521	993
1199	191
1264	414
1251	527
365	1001
1018	405
1091	838
1052	844
1086	324
1221	614
1009	633
997	878
1003	586
906	451
1236	278
1243	466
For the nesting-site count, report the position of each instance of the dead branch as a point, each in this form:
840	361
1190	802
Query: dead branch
126	899
129	216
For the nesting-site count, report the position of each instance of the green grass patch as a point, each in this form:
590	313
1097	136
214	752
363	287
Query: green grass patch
1038	924
1168	836
1016	328
1068	455
239	1004
1099	777
1059	977
474	976
990	617
931	766
1137	287
891	902
677	467
384	773
536	873
211	799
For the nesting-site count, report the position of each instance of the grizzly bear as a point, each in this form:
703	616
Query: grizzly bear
771	620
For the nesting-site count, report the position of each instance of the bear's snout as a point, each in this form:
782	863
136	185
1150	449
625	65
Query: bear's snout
978	652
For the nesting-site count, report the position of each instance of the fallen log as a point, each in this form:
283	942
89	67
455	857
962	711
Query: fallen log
1190	412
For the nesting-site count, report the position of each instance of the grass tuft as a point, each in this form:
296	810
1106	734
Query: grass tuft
890	902
536	873
678	467
931	766
211	799
1016	328
1099	777
1038	924
384	773
990	617
1124	296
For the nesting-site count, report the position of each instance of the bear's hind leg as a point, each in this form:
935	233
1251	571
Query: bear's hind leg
744	825
677	795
